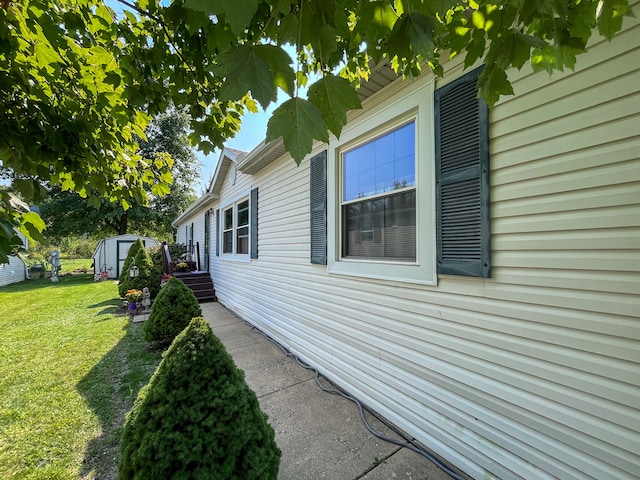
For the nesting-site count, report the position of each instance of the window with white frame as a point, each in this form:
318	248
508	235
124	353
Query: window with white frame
382	201
235	228
379	197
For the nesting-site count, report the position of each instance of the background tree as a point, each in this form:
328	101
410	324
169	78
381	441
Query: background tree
68	213
75	80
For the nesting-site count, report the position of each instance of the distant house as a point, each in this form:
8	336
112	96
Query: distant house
14	271
111	252
471	275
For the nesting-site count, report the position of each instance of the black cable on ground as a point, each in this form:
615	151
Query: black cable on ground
406	443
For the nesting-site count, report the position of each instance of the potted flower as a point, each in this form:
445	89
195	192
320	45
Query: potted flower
164	279
133	296
182	267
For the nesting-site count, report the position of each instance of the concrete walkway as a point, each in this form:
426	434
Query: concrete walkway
321	435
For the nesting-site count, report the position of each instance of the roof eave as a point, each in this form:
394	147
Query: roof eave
266	153
203	201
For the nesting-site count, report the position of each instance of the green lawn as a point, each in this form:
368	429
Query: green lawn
71	264
70	368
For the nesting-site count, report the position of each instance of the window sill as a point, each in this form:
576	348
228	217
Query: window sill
235	258
405	273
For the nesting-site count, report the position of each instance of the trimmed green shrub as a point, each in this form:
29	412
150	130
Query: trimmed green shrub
155	253
139	257
124	279
197	418
171	312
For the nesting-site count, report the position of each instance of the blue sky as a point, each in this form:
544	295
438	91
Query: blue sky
253	131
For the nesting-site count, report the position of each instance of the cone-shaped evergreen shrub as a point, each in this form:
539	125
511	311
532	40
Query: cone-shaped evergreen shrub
197	418
139	257
124	280
146	273
171	312
155	253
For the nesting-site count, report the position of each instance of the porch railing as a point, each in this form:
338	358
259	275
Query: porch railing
172	254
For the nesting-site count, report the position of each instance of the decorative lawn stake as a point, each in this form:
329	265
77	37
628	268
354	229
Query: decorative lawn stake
146	300
54	258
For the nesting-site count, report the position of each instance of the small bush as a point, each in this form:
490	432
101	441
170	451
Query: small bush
197	418
155	253
124	280
171	312
139	257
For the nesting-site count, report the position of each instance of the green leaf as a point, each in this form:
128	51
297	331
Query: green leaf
412	35
166	177
237	13
25	187
279	62
493	83
99	56
160	189
298	122
245	71
94	201
45	55
609	16
205	6
376	21
288	30
32	226
334	96
475	48
206	147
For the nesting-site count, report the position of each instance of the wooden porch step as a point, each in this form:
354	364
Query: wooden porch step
200	284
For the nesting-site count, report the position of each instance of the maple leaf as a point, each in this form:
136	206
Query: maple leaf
298	122
245	71
258	69
334	96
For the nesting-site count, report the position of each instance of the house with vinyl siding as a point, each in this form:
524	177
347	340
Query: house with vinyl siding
472	275
14	270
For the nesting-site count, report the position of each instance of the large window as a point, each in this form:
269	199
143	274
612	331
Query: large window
235	228
379	197
380	192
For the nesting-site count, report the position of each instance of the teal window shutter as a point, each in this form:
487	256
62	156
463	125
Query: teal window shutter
462	179
253	223
318	201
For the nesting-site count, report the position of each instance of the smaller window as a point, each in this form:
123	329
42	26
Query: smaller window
242	231
235	229
227	231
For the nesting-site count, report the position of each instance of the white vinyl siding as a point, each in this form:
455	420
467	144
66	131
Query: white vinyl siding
534	373
183	234
15	270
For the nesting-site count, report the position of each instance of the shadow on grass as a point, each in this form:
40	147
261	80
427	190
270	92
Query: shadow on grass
63	281
109	389
111	307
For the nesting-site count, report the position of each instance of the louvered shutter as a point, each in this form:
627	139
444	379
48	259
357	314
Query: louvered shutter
318	194
253	222
462	179
218	236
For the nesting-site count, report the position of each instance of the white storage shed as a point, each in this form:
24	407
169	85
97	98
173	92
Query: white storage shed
111	253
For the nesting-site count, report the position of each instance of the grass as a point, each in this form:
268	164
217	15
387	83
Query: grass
71	264
70	368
